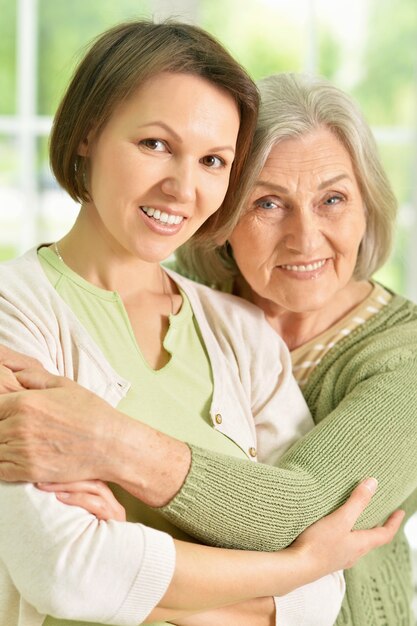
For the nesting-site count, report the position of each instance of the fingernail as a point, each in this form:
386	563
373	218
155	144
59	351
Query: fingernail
371	484
63	495
43	484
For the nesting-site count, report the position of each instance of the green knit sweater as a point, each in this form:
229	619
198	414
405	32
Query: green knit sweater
363	397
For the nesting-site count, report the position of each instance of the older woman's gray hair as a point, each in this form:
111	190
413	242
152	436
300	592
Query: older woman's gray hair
293	105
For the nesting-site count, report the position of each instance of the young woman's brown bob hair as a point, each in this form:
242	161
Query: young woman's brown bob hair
119	62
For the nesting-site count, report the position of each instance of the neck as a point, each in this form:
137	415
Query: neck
299	327
90	252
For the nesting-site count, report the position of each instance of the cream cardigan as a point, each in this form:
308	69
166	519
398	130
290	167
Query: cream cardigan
59	560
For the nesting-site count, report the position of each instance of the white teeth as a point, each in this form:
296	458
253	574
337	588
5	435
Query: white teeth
162	216
305	268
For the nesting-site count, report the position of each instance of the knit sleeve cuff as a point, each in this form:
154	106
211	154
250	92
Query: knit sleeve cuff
316	604
202	507
224	498
152	580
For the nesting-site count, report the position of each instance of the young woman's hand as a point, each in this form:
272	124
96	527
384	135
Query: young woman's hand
92	495
331	543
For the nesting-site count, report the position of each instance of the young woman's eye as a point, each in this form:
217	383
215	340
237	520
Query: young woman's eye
213	162
266	203
156	145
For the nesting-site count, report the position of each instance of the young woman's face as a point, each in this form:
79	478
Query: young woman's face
161	165
297	243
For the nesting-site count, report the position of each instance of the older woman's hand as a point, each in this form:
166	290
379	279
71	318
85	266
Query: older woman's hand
8	381
16	361
10	363
54	430
57	431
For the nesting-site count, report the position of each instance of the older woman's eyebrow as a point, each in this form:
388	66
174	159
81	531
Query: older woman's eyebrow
331	181
273	186
280	189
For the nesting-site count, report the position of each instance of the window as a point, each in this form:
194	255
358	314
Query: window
370	52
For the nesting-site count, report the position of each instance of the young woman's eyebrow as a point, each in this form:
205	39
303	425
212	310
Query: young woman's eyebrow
170	130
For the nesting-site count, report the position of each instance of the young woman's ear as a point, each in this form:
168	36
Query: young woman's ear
84	146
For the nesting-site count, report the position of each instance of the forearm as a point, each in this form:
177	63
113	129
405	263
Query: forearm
256	612
196	584
72	434
128	566
315	604
66	563
228	502
147	463
117	572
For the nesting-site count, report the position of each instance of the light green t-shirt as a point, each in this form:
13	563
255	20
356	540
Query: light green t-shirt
175	399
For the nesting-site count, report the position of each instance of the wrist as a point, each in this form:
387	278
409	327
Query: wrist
147	463
303	565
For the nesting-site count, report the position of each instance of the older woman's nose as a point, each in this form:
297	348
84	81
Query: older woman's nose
303	232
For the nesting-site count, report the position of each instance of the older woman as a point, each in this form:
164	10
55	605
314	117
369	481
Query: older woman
314	227
316	223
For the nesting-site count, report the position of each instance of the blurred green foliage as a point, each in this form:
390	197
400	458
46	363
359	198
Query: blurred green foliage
7	57
263	38
65	30
387	90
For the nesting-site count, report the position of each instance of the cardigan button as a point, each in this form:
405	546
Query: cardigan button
218	418
252	452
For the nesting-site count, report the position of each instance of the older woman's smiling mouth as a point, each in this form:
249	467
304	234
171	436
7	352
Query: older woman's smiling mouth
304	267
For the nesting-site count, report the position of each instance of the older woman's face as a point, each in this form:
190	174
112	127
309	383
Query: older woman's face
298	241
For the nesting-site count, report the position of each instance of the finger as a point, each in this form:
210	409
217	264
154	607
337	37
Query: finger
102	508
16	361
394	521
92	495
88	501
8	380
368	540
96	487
357	501
39	378
384	534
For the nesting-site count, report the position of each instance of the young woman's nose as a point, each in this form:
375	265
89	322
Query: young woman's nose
180	182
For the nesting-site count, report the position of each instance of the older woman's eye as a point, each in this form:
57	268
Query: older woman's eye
266	203
333	200
156	145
